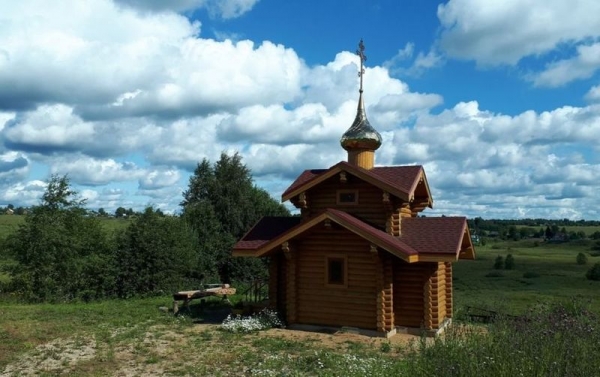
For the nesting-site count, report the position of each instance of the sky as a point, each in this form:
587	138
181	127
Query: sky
498	100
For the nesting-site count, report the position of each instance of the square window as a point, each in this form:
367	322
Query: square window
347	197
336	271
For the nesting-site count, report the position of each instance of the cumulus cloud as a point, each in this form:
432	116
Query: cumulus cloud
140	65
216	8
593	95
582	66
495	163
504	32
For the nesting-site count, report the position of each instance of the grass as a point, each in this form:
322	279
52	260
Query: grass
9	223
558	277
135	337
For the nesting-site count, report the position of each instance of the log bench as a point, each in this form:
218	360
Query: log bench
222	290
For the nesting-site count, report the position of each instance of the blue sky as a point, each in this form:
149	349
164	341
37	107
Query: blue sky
499	100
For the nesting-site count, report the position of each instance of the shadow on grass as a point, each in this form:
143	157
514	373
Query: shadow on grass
209	312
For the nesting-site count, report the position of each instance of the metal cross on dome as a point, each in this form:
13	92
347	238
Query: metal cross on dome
363	58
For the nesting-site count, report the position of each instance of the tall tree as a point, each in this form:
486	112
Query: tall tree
61	252
155	253
222	197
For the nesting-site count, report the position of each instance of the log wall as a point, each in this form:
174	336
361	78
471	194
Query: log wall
449	297
320	304
409	292
370	207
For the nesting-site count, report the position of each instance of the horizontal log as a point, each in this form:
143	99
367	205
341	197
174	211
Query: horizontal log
337	321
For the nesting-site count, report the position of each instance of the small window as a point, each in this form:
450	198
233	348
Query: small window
336	271
347	197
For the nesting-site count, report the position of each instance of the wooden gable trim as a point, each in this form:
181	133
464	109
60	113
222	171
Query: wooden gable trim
364	175
467	251
422	181
294	232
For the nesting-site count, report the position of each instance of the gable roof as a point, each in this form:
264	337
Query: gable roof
266	229
400	181
438	235
447	236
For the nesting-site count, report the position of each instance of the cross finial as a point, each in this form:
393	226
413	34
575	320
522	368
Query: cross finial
363	58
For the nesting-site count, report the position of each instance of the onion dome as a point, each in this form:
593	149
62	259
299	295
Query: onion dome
361	135
361	140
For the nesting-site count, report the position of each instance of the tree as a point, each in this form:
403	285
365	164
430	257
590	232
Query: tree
102	212
223	198
581	258
155	253
499	263
509	262
120	212
61	253
594	272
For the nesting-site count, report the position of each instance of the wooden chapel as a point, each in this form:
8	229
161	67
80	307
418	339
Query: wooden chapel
358	255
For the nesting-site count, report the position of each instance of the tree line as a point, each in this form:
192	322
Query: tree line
61	252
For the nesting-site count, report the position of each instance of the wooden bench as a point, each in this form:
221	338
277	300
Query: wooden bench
222	290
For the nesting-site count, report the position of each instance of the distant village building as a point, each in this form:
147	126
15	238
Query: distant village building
9	211
358	255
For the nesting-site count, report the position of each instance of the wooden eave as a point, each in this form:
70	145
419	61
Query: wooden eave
423	181
466	250
391	245
363	174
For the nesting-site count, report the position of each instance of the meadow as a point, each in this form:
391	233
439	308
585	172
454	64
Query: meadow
141	336
543	273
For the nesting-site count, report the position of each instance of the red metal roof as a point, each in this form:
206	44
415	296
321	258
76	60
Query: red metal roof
403	178
420	236
434	235
266	229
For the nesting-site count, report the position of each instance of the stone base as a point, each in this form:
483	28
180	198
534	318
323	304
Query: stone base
425	332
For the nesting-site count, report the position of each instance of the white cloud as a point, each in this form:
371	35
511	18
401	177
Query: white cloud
419	65
504	32
217	8
593	95
107	62
582	66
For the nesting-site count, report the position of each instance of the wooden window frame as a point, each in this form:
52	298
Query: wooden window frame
341	203
336	257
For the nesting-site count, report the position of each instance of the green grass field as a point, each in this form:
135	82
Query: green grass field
560	277
134	337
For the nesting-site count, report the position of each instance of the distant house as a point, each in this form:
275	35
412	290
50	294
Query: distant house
359	256
9	211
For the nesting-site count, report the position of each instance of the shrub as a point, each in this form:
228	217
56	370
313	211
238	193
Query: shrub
581	258
499	263
594	272
531	275
509	262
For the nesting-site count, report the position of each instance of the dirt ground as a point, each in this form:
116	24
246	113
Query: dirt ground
159	348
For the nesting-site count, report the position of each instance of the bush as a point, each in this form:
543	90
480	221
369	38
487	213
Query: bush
581	258
499	263
494	274
509	262
594	273
530	275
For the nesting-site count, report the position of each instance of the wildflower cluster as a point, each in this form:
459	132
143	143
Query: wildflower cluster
264	320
